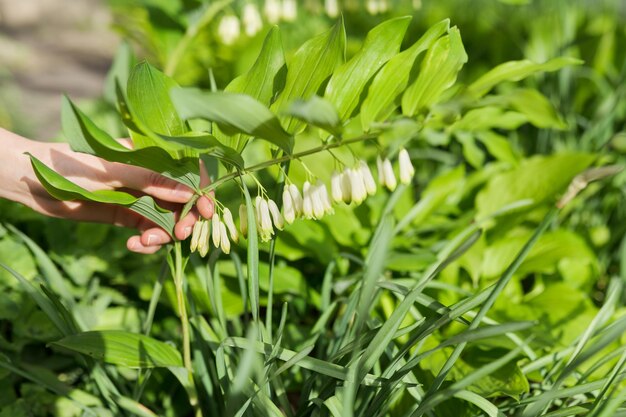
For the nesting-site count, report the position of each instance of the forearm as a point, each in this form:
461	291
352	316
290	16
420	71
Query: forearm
13	165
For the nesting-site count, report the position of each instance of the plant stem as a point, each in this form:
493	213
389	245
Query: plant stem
182	308
285	158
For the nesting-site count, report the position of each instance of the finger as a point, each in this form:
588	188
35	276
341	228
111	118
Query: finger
151	183
206	206
134	245
155	236
184	227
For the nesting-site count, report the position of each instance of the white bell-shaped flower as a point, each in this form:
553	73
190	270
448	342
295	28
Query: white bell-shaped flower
195	235
290	10
279	223
331	7
372	7
251	19
297	199
272	10
317	202
383	6
215	229
203	240
229	29
368	178
346	188
325	198
230	224
335	187
390	177
289	211
357	186
224	242
307	201
406	167
264	221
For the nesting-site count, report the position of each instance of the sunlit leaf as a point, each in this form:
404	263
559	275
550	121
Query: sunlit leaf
318	112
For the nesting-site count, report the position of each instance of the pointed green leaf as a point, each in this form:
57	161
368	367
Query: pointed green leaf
394	77
314	62
532	104
317	112
207	144
149	97
233	113
438	72
84	136
119	72
63	189
122	348
347	83
516	71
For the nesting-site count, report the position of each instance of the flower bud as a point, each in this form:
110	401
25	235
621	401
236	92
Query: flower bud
251	19
229	29
276	216
288	206
195	235
307	202
224	242
203	240
272	10
335	187
296	197
215	229
390	177
264	222
290	10
346	188
243	219
230	224
368	178
406	167
331	7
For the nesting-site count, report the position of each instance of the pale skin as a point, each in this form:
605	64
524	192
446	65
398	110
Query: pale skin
19	183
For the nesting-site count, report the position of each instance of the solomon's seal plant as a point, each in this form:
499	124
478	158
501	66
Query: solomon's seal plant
256	136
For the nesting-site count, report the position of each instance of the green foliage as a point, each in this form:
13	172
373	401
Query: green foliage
464	292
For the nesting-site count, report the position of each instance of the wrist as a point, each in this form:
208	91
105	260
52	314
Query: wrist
14	165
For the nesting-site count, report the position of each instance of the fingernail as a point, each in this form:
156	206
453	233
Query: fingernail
182	191
187	232
153	240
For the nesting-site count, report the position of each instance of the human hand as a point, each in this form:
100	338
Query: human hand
18	182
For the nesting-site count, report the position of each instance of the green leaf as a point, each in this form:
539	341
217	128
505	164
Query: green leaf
394	77
122	348
311	65
438	72
233	113
536	107
209	145
119	71
84	136
523	182
489	117
262	81
516	71
63	189
348	81
149	97
317	112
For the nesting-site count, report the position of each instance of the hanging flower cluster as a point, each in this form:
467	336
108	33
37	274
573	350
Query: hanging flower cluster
352	185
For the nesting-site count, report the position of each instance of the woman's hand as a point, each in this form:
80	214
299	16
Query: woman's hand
19	183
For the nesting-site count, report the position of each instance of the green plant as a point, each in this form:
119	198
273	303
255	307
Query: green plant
388	339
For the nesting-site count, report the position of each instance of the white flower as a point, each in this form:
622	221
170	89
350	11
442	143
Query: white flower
382	6
264	222
276	216
224	242
346	188
335	187
288	206
307	202
406	167
389	177
203	240
230	224
331	7
229	29
272	10
324	197
251	19
296	197
381	170
195	235
368	178
243	219
290	10
372	6
317	201
215	229
357	186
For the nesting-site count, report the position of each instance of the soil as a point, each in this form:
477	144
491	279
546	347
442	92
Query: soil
49	48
